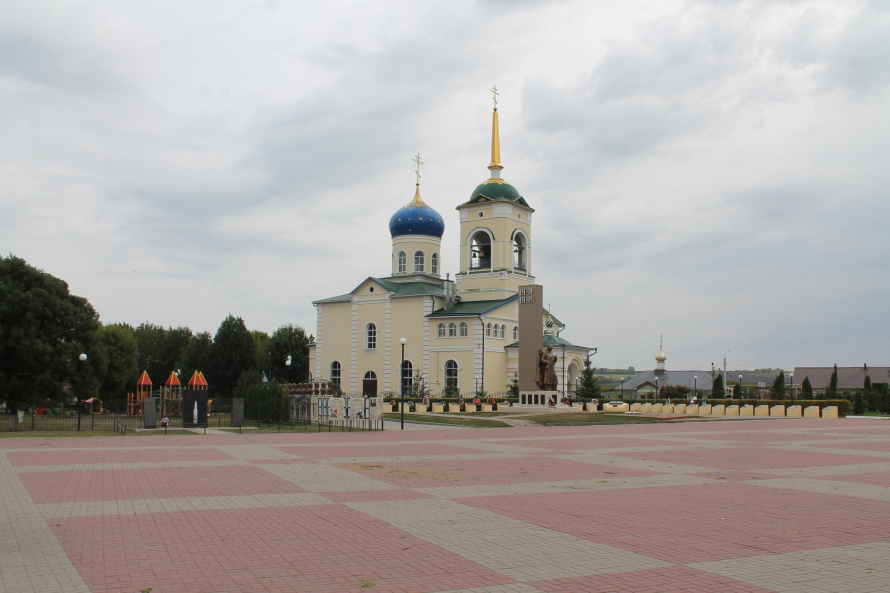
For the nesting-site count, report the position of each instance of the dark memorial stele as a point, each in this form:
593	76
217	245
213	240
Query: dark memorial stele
150	412
531	342
194	408
238	412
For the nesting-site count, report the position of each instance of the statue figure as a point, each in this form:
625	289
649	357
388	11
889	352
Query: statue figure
545	377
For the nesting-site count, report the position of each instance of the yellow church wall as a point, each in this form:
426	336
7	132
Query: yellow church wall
410	244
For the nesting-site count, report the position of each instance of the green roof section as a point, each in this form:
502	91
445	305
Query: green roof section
553	340
470	308
493	191
336	299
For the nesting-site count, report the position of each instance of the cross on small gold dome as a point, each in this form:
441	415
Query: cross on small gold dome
494	95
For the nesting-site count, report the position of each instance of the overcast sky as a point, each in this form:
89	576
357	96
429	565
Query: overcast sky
713	171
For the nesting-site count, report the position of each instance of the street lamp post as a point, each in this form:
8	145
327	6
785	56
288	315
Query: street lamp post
622	388
403	341
288	361
740	388
695	390
656	388
791	380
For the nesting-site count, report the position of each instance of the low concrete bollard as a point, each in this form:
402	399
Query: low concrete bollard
387	408
453	408
646	408
732	410
679	408
718	410
486	408
746	410
616	407
438	408
811	412
705	410
667	409
829	412
657	408
794	412
636	407
693	409
777	411
761	410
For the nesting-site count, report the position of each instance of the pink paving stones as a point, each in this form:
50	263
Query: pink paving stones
748	458
117	455
510	470
592	443
879	446
379	450
680	579
306	549
875	478
135	484
375	495
699	523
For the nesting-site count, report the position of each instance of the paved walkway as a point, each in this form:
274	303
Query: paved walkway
773	505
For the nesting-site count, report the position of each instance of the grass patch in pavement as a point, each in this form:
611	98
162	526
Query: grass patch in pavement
452	420
577	418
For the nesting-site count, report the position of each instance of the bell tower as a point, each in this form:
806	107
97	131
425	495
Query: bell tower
495	231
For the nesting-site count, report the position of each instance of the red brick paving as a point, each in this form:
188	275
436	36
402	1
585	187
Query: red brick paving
333	547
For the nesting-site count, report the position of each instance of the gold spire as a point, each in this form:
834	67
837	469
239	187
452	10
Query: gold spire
417	201
495	165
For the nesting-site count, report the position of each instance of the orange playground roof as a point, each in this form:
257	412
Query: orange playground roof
143	379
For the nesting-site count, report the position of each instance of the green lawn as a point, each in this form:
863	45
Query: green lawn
579	418
456	420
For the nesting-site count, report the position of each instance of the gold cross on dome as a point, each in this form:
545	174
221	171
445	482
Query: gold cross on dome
417	163
494	95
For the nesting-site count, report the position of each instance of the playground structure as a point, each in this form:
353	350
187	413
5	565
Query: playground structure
95	405
143	390
169	396
200	383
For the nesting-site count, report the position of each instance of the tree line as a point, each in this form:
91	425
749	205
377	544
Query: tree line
45	330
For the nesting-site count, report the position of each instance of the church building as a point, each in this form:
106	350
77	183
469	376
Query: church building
460	334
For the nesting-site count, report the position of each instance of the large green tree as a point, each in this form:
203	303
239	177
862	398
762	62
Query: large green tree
43	331
588	385
779	385
806	389
717	390
161	350
831	392
289	341
197	356
117	355
233	353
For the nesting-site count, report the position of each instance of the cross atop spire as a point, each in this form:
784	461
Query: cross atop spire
494	95
417	164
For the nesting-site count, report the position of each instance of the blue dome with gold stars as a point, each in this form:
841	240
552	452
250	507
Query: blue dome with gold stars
416	218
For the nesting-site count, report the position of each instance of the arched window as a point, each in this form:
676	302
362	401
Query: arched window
371	337
434	263
463	329
440	330
336	373
488	330
503	331
515	332
407	376
451	374
480	250
452	330
403	262
520	252
418	261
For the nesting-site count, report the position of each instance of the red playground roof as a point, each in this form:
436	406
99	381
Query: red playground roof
143	379
197	380
173	380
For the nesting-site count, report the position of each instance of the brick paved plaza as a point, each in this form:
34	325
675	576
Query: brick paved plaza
782	505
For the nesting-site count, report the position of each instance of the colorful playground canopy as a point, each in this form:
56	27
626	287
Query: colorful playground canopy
173	380
143	379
